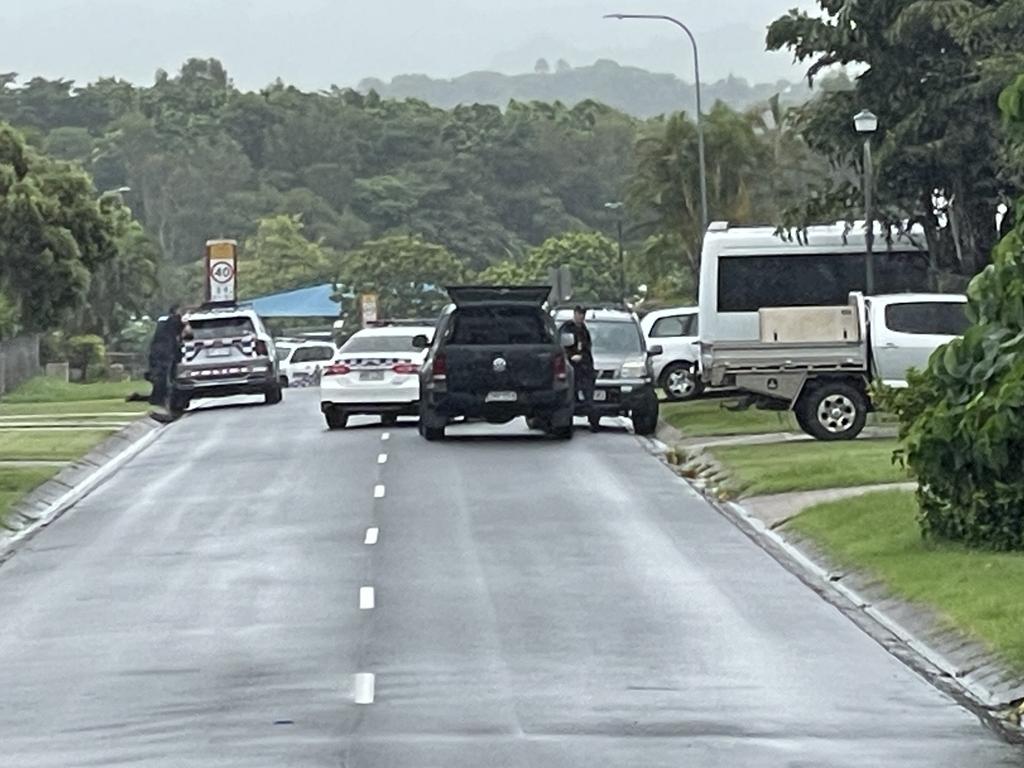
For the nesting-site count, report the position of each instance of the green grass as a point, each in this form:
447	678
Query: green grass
808	466
16	482
979	592
707	418
70	408
48	445
43	389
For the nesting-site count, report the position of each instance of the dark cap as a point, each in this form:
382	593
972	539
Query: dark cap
579	308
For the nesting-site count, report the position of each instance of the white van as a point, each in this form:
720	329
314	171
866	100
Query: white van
746	269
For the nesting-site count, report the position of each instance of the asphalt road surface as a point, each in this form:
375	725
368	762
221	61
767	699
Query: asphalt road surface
533	603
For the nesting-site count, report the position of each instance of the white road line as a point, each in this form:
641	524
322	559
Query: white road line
378	491
382	458
372	534
366	599
385	436
365	683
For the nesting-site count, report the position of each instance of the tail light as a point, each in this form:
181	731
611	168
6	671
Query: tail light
405	369
558	365
261	348
440	369
336	369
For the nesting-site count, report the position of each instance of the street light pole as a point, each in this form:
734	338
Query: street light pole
617	207
700	115
866	123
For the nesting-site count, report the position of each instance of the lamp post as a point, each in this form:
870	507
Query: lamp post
866	124
617	207
700	117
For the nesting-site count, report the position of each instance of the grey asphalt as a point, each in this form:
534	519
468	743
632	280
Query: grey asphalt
536	604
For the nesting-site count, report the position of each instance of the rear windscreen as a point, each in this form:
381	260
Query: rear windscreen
500	325
221	327
380	344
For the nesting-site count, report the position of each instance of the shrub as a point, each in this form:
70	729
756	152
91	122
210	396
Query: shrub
85	352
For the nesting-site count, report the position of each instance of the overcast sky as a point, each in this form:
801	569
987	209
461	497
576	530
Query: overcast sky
316	43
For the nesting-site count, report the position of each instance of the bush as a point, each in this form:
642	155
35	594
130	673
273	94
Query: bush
85	352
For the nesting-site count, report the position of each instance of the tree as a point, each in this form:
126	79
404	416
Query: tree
592	257
563	66
962	419
53	234
280	258
931	71
542	67
408	275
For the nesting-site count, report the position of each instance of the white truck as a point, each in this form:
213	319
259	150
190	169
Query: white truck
784	322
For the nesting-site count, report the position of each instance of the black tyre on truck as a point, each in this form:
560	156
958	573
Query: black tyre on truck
832	410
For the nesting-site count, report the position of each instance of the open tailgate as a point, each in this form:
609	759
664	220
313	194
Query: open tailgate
467	295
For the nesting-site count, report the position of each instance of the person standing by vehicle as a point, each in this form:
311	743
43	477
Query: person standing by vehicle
581	353
164	355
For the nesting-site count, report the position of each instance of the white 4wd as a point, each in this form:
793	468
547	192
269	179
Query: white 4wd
677	371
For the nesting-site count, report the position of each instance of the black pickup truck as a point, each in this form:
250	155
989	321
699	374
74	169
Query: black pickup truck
496	355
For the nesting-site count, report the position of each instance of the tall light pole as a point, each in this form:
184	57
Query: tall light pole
866	124
617	207
700	116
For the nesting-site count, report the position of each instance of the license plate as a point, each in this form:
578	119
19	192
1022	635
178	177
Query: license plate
600	395
218	351
371	376
502	397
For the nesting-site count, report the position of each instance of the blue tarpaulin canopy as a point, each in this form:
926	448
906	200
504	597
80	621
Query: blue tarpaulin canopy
314	301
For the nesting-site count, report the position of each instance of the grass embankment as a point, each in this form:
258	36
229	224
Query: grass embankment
707	418
978	592
16	482
808	466
49	444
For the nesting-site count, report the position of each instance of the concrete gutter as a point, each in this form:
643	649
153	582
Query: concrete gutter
52	499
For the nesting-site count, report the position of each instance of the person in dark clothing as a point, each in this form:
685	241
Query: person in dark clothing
164	355
581	354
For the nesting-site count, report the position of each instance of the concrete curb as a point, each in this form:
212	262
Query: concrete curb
938	668
52	499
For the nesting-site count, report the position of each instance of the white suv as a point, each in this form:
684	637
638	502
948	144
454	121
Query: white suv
304	363
677	371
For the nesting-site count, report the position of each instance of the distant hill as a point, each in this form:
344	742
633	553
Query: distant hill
630	89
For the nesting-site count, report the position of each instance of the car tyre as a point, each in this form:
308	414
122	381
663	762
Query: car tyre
283	382
337	418
273	394
680	382
389	419
178	403
645	415
832	411
431	426
560	425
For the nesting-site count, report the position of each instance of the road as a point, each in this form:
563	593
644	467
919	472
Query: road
207	607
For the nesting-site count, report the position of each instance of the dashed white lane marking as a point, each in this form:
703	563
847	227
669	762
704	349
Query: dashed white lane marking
371	535
378	491
382	458
366	598
365	683
385	436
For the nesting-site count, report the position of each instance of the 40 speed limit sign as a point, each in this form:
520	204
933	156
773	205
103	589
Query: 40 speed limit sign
221	270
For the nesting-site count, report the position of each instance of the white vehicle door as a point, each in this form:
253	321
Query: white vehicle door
678	335
906	333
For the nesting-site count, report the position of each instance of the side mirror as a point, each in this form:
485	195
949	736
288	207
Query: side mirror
568	339
655	350
420	341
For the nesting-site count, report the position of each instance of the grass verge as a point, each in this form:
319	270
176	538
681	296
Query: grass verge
707	418
44	389
16	482
977	592
72	409
48	445
808	466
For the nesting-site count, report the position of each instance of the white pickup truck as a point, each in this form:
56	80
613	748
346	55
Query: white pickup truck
819	361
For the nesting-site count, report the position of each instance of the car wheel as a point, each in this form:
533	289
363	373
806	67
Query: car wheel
337	418
283	382
273	395
832	410
178	403
431	427
388	419
645	415
680	382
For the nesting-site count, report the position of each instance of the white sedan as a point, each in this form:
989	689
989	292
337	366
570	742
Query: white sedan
375	372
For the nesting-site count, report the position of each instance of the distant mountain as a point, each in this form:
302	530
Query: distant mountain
630	89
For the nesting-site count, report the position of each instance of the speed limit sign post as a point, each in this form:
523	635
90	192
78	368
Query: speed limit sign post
221	271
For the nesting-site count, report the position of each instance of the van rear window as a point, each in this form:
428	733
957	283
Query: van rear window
748	283
487	326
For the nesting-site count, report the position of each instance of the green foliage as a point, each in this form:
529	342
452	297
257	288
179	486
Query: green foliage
962	420
280	258
408	275
932	72
86	353
592	257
